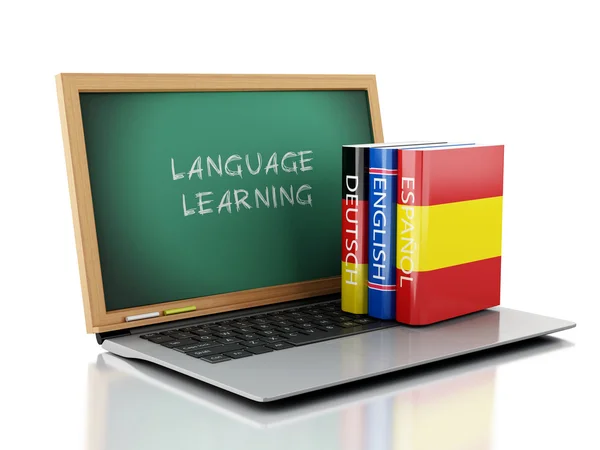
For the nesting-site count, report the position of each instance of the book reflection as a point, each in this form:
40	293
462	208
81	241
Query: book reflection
449	414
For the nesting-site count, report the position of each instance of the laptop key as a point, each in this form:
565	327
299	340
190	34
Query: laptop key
365	320
160	339
308	331
238	354
229	348
291	335
229	340
272	339
249	336
201	332
263	326
328	327
169	332
301	319
214	350
178	343
215	359
347	324
258	321
150	335
207	337
341	318
201	353
225	334
279	345
189	329
284	317
252	343
267	333
221	328
288	329
197	346
320	316
259	350
245	330
279	318
180	335
322	322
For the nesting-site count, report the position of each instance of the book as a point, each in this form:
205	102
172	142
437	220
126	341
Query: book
383	174
355	207
449	231
355	164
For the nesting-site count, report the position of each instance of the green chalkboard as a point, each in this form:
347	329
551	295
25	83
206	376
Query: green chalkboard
164	227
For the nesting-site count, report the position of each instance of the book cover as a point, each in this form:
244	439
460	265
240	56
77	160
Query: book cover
383	174
449	231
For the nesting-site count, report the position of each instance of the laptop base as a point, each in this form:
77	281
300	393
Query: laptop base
277	375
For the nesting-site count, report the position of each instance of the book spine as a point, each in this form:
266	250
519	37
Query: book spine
383	174
409	193
355	165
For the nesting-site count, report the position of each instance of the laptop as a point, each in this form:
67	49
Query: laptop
240	295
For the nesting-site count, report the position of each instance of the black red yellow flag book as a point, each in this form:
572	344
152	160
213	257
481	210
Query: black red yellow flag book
355	206
449	231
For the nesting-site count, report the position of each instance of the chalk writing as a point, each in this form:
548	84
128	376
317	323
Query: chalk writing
238	199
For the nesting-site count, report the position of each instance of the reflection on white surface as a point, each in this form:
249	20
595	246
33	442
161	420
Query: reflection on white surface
444	406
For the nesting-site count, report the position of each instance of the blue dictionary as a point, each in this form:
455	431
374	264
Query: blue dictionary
383	175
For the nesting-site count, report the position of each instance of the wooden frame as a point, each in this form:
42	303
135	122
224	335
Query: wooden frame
71	85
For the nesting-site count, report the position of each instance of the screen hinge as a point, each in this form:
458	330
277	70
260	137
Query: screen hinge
101	337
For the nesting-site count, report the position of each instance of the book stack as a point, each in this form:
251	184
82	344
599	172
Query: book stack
422	228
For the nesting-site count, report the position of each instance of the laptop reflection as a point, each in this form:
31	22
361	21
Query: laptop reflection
446	405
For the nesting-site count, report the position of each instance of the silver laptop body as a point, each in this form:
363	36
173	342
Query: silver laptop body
306	368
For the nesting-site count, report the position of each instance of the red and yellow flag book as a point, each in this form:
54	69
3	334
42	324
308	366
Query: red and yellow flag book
449	231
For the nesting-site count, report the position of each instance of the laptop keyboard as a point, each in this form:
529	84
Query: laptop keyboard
242	337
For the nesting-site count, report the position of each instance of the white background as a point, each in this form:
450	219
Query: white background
519	72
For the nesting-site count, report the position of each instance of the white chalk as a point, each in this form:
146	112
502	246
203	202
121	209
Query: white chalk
142	316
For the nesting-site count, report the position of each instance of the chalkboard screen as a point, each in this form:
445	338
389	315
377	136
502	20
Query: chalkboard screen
203	193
